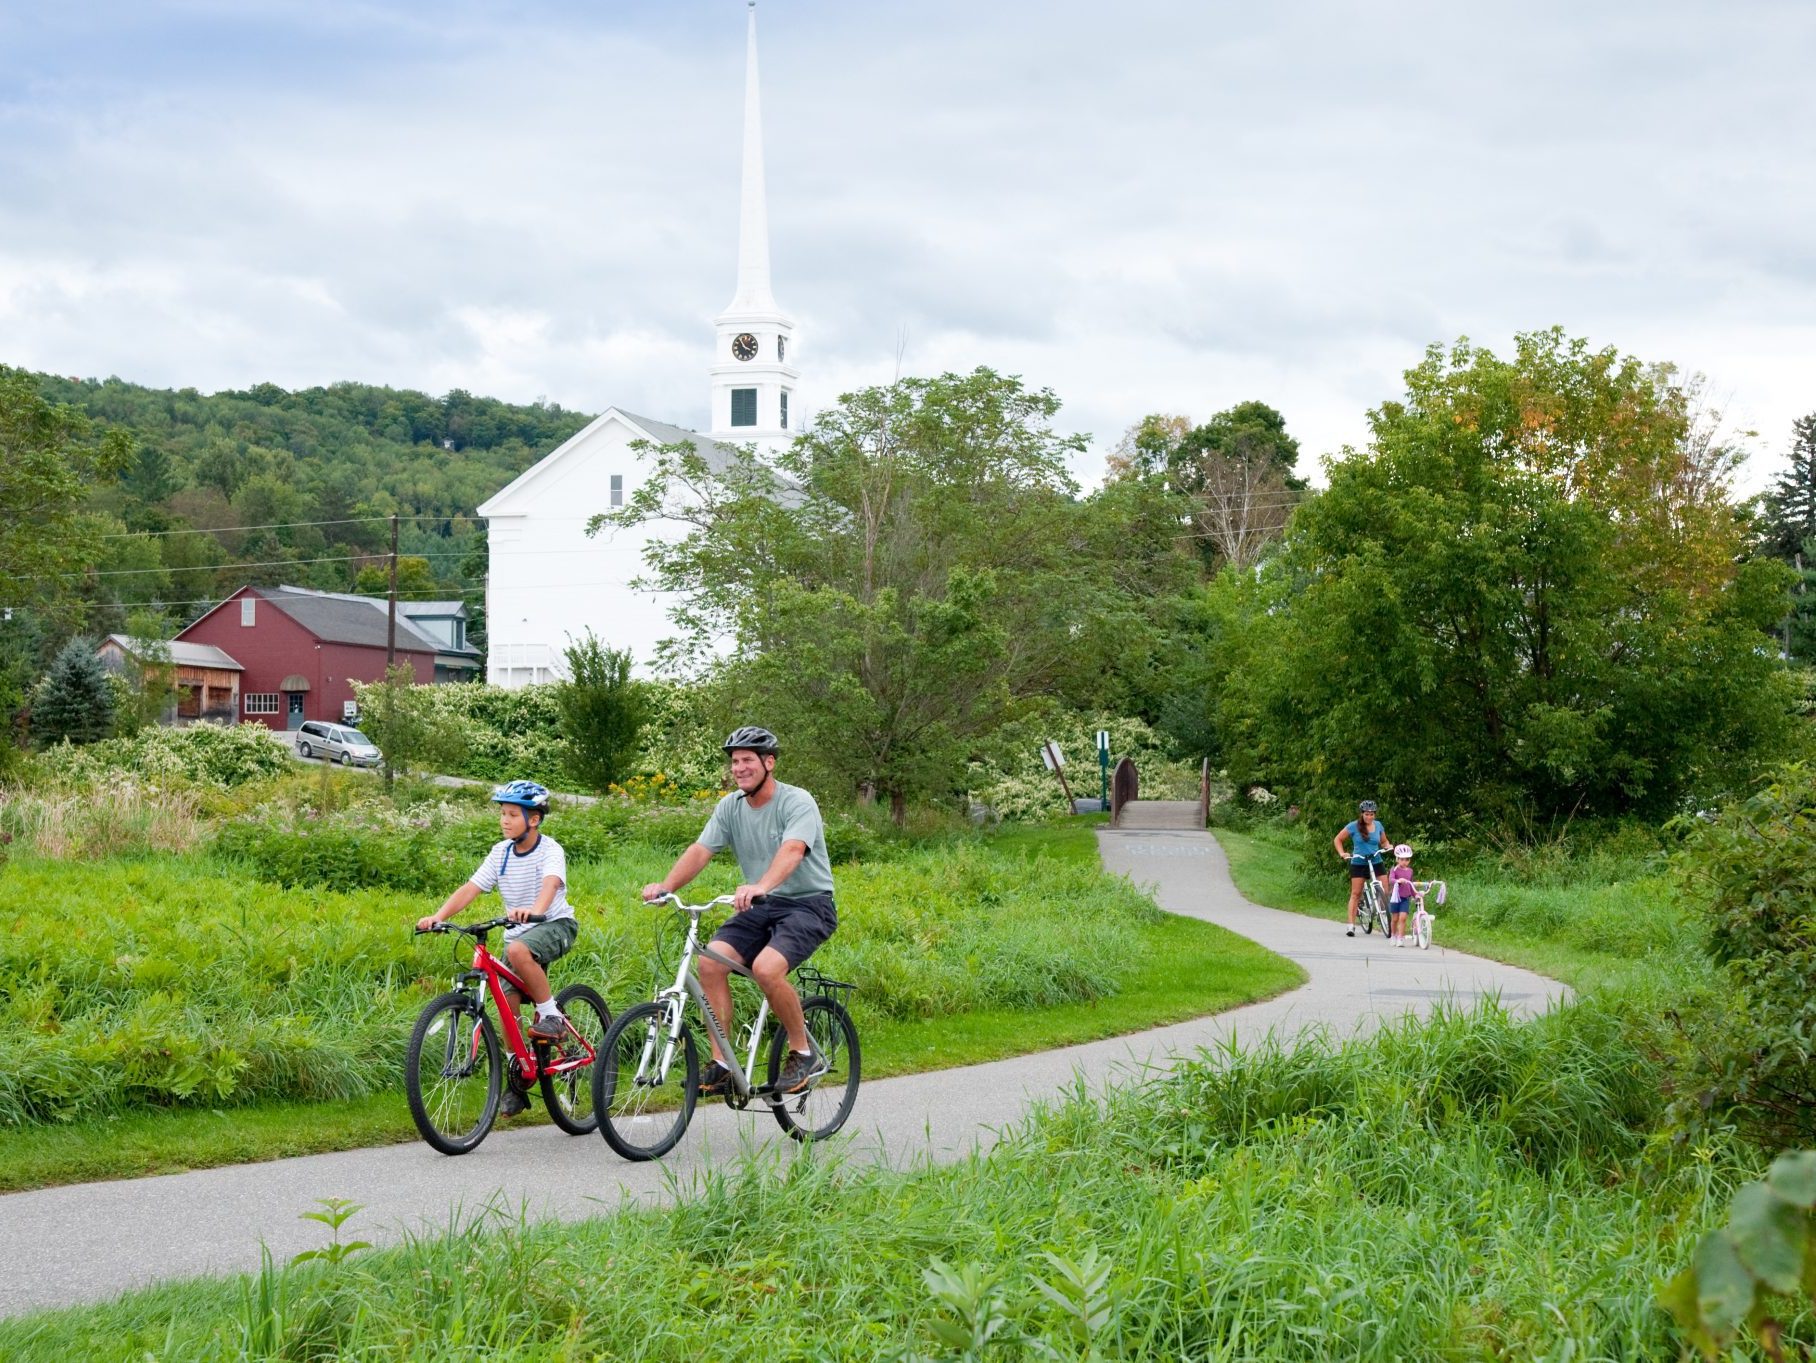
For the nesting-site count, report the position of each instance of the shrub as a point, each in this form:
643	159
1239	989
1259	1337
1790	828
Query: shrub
1752	873
602	713
203	754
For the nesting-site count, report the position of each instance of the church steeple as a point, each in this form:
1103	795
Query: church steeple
752	381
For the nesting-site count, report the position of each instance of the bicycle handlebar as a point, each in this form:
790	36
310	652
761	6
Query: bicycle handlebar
672	898
477	929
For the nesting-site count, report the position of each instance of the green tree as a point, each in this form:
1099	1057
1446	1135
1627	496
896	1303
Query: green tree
415	580
410	730
911	573
1522	599
50	463
603	712
74	702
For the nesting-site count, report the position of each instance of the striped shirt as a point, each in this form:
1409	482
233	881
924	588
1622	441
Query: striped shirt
518	878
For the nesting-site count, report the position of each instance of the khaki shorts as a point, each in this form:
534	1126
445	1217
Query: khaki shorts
548	942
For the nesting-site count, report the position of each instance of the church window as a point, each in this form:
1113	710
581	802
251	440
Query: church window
743	406
784	409
617	489
782	352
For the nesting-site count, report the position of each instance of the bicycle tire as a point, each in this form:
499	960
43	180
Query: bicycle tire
569	1096
824	1108
1422	931
1371	909
448	1028
631	1115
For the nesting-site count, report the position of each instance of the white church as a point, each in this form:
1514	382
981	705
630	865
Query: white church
548	582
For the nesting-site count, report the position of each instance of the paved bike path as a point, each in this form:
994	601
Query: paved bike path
91	1241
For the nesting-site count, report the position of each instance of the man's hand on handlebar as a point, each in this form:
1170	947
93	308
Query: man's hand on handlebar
653	891
523	915
744	895
428	923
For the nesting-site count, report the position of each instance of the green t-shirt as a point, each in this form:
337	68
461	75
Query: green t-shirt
755	835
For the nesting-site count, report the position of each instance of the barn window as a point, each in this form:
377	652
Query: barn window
260	702
248	605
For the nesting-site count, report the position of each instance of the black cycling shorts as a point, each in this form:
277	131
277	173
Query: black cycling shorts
794	927
1358	868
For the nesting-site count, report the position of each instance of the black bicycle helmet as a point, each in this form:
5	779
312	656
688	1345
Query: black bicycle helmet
751	738
1366	807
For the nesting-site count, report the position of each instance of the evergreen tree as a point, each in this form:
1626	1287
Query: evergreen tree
75	700
1790	505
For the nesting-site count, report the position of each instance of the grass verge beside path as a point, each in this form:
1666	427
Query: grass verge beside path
1594	925
1462	1187
1187	969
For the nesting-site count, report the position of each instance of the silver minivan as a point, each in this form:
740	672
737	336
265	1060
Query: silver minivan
336	743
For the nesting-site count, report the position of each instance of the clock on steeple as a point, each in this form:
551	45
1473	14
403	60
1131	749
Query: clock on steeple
744	346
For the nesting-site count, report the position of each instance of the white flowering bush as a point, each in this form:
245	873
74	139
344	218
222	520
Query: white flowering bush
221	757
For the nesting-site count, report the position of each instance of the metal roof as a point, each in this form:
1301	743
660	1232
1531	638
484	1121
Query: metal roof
185	654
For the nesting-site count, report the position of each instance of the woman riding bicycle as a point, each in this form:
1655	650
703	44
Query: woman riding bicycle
1366	836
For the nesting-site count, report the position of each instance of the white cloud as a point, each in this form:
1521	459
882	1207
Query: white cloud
1145	207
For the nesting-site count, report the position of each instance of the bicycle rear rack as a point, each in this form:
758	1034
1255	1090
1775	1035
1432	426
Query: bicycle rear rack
808	980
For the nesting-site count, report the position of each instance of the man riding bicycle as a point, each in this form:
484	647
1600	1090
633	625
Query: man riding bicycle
783	911
1366	835
529	871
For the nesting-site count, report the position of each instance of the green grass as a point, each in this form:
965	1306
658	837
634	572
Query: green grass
1593	923
946	947
1463	1187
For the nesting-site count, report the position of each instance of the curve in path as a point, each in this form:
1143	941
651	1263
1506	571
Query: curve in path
92	1241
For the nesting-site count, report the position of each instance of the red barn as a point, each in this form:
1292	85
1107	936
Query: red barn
303	650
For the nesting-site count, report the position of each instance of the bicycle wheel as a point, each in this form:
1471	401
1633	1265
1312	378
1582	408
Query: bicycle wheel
643	1112
822	1110
1421	929
452	1073
569	1095
1371	909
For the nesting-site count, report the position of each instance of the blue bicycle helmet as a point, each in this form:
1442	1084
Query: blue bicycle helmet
528	794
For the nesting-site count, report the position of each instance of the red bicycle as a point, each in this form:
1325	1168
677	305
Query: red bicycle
454	1071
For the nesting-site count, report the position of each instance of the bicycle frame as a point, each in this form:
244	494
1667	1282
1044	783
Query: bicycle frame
687	985
497	975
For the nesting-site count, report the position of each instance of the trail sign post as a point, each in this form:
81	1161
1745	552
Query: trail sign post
1103	764
1056	763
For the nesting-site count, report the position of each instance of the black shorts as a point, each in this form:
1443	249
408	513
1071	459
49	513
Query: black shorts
1358	870
794	927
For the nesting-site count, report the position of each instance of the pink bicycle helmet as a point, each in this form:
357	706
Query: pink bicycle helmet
1403	850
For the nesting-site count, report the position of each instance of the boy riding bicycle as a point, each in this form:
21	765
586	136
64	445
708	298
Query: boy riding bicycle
529	871
782	913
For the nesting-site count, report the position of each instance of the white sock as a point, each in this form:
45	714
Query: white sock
547	1009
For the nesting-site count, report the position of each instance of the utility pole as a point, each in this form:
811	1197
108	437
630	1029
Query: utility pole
391	614
391	662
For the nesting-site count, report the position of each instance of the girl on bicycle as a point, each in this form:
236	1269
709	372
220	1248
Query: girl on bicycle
1365	836
1399	893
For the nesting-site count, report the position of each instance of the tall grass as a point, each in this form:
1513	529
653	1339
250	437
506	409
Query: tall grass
124	818
166	981
1457	1188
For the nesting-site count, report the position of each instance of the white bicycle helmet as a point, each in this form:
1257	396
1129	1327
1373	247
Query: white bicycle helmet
1403	850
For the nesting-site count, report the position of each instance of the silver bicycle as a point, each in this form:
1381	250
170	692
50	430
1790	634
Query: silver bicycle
646	1079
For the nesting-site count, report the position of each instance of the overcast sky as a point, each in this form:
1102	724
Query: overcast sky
1144	206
